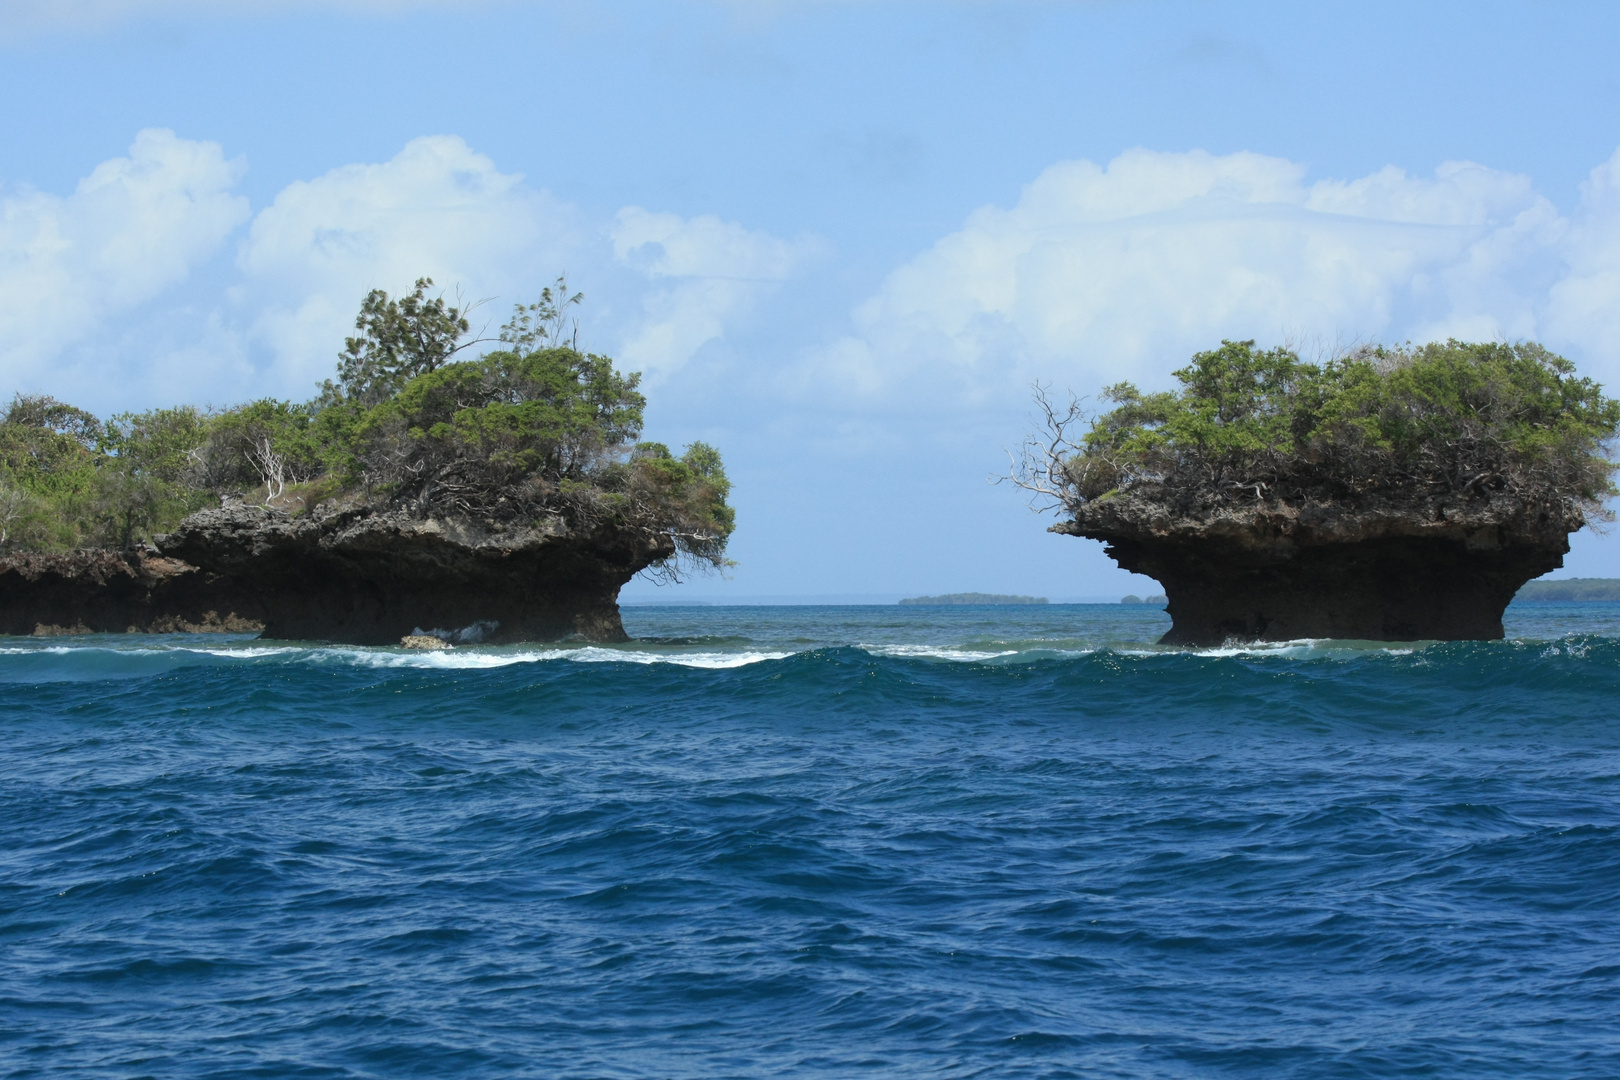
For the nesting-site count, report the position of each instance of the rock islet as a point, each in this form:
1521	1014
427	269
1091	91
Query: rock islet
1383	572
355	575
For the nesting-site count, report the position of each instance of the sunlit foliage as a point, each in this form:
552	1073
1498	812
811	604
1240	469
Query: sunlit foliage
533	433
1453	419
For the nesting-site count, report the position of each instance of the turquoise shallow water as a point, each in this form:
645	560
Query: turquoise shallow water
1009	842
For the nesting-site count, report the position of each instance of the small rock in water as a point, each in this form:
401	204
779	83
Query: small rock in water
422	641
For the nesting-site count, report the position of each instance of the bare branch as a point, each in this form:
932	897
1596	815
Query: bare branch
271	467
1041	465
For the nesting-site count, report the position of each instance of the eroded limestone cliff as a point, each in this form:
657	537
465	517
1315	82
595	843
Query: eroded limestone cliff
1443	569
359	576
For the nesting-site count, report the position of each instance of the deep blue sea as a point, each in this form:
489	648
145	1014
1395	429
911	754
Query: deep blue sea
800	841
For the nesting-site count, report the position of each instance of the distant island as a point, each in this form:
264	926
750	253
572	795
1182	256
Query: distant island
976	598
1390	494
1578	589
1132	598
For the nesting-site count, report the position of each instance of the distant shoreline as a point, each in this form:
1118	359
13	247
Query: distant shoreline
1567	590
973	599
1571	590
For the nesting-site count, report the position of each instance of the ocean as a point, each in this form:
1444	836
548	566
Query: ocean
816	842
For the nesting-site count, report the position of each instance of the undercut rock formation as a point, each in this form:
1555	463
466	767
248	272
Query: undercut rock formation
1277	572
1383	494
357	576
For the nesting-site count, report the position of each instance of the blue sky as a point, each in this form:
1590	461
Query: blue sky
840	238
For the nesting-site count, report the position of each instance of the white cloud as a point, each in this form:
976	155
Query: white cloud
132	229
437	209
1096	273
711	272
106	308
1101	273
1584	306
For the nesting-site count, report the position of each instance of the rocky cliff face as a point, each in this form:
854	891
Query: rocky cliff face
358	576
1278	572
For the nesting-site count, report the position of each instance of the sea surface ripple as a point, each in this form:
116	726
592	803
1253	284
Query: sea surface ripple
815	842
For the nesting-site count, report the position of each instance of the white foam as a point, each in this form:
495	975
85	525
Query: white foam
246	652
462	658
459	659
477	659
1297	647
1569	648
936	652
65	650
713	661
473	657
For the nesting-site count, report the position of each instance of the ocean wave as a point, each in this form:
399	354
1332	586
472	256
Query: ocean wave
475	659
1310	647
937	652
971	845
115	656
101	659
996	850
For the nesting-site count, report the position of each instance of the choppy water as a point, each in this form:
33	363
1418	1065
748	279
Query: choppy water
816	842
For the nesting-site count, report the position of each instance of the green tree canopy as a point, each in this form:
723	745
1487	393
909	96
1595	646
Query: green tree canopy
397	340
544	323
556	413
1445	419
532	432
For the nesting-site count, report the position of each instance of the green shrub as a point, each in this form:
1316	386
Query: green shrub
397	340
556	414
50	454
1444	419
534	431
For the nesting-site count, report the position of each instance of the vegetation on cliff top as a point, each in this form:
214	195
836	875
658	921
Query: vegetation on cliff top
1403	426
533	430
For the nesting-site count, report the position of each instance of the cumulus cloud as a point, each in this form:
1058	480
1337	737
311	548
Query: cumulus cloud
707	272
1584	306
1096	273
108	307
437	209
1099	273
132	229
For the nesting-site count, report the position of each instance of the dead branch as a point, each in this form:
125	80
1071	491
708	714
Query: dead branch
1041	465
271	467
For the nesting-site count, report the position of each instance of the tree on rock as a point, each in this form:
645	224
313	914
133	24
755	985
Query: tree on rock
535	442
1391	494
397	341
